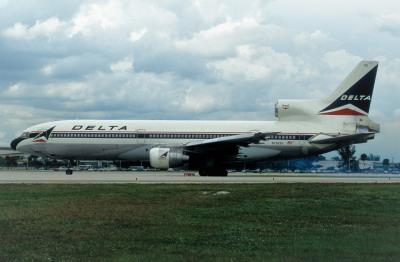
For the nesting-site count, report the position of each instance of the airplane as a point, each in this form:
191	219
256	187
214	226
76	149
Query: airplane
303	128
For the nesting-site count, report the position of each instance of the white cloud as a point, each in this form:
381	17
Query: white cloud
390	23
97	16
223	38
389	70
213	12
16	113
316	40
255	63
15	90
72	91
201	98
41	28
341	59
136	36
124	65
198	103
47	70
18	30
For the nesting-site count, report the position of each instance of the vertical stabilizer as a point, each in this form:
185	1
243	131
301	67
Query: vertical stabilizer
354	94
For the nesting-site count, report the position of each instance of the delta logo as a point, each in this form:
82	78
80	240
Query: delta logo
43	136
348	105
164	156
355	98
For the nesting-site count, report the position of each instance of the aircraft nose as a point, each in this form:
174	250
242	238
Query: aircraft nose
15	142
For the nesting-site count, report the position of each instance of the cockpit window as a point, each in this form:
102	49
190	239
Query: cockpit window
29	134
33	134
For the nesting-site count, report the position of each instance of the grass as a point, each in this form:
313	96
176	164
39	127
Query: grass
274	222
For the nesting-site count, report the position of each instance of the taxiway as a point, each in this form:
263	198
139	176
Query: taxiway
82	177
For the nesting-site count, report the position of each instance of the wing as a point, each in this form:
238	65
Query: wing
227	143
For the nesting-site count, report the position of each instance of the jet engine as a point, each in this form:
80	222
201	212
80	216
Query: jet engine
164	158
296	109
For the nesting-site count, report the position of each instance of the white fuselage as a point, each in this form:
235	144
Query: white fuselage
132	140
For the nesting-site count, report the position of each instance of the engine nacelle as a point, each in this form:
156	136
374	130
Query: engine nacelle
164	158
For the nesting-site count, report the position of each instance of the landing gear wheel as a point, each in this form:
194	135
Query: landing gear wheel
69	171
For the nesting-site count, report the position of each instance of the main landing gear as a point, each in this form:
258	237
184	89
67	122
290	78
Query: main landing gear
69	171
216	171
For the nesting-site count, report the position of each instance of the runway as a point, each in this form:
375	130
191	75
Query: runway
115	177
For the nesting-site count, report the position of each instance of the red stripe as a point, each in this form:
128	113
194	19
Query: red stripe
39	140
344	112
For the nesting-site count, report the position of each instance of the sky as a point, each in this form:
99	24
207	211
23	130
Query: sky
170	59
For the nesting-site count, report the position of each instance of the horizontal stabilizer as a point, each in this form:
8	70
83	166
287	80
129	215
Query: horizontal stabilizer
341	139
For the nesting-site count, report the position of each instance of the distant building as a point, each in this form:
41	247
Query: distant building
327	165
366	164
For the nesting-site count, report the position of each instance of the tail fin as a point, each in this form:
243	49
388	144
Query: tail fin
354	94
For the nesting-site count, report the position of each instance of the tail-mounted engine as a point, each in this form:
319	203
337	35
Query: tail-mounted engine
164	158
296	109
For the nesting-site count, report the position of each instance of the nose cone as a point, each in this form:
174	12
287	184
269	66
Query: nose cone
15	142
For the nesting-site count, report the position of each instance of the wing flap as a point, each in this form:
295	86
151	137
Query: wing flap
240	140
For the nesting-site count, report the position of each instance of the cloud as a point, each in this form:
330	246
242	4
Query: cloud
136	36
341	59
15	90
45	28
222	39
94	16
390	23
316	40
198	103
47	70
255	63
203	98
124	65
